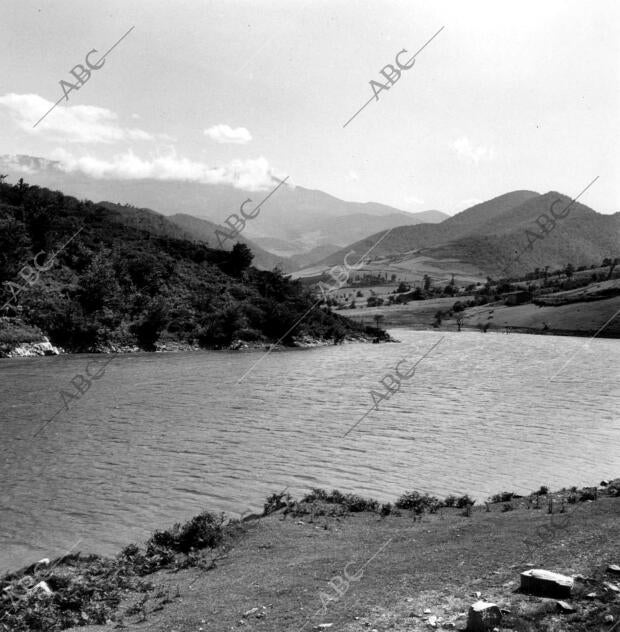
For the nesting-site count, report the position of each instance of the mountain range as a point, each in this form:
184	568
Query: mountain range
298	219
307	231
497	237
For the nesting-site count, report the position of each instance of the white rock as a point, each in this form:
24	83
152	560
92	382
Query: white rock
538	581
483	616
42	586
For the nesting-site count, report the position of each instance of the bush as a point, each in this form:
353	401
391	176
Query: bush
464	501
588	494
507	507
543	491
202	531
351	502
418	502
450	501
503	497
386	509
276	501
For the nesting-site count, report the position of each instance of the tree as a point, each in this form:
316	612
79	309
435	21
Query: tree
427	283
459	321
378	318
612	265
569	270
240	259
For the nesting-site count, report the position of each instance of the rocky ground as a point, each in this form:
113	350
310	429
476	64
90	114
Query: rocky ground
348	565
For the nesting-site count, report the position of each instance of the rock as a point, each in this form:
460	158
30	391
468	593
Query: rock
613	568
609	618
427	611
324	626
45	561
591	595
483	616
249	612
432	621
565	607
545	583
42	586
611	586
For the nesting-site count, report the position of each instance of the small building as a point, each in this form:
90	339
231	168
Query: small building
516	298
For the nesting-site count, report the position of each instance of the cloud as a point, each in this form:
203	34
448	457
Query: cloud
353	176
251	175
466	149
68	123
465	204
226	134
411	199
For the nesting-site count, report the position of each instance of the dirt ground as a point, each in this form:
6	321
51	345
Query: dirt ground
364	572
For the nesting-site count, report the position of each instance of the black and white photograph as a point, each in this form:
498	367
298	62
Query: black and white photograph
310	316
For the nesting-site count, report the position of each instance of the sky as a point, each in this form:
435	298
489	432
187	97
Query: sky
508	95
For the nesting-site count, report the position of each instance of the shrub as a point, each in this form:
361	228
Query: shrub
543	491
464	501
351	502
450	501
276	501
507	507
587	494
418	502
386	509
503	497
202	531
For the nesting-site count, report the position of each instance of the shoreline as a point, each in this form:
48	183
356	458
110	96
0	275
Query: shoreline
44	348
214	554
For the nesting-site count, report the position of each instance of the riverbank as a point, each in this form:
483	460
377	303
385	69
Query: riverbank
18	340
341	562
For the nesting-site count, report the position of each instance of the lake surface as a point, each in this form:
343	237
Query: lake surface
159	437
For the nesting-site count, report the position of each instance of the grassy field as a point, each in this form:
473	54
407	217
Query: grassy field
313	564
579	318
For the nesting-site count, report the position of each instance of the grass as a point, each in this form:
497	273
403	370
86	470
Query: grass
88	589
270	572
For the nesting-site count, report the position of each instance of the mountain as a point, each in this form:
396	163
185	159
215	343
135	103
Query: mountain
203	230
304	218
111	284
491	239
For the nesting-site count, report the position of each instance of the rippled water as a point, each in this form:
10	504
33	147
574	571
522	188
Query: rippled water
160	437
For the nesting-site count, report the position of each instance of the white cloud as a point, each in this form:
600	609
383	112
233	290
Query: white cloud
411	199
68	123
226	134
465	204
251	175
464	147
353	176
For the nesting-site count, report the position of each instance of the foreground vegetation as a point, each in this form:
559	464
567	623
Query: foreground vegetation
91	282
297	545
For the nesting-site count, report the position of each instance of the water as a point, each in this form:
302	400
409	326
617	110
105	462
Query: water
158	438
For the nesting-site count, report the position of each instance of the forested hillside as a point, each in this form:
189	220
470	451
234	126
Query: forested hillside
113	284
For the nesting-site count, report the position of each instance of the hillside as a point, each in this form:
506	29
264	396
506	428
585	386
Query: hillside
203	230
296	215
90	282
339	561
491	237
